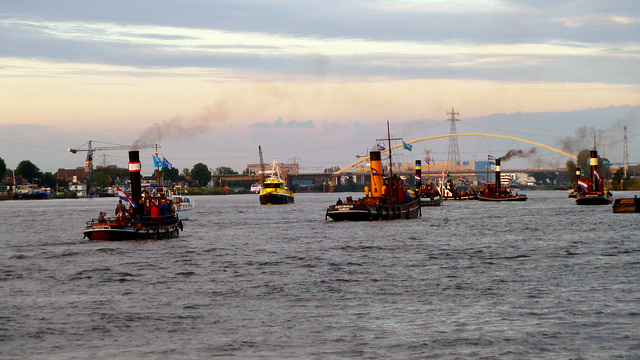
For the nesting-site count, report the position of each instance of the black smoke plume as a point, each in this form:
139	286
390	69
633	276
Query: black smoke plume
517	153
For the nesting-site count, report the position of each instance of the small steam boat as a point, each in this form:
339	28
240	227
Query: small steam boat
494	192
449	191
275	191
143	221
388	199
627	205
592	192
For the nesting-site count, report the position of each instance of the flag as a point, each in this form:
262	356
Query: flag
596	175
124	197
448	175
156	162
407	146
491	158
381	147
166	163
461	179
426	160
582	184
418	178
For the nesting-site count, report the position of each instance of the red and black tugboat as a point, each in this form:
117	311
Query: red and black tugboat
494	192
143	221
595	193
388	199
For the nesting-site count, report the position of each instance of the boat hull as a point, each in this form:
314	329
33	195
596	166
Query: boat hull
132	230
631	205
502	198
275	199
363	212
593	199
431	201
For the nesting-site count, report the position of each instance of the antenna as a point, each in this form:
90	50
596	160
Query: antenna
453	155
625	153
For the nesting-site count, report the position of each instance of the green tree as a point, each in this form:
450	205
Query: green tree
571	171
248	171
201	174
49	180
544	177
3	168
223	170
101	180
28	170
116	172
619	180
172	175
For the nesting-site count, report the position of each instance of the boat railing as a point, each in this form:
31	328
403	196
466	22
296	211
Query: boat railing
145	221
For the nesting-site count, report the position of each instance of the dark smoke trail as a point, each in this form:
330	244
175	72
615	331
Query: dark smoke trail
180	129
517	153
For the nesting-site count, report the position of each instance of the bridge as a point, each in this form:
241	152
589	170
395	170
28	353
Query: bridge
366	158
331	178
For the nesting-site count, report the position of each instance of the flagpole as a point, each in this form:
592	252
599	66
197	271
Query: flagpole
158	168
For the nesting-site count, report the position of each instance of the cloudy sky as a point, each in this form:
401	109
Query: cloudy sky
311	80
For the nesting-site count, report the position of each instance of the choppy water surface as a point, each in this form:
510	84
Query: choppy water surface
539	279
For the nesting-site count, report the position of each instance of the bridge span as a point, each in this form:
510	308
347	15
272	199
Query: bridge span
331	178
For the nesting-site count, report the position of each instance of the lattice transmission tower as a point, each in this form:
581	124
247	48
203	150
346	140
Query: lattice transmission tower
453	155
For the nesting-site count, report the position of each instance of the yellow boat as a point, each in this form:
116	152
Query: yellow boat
275	191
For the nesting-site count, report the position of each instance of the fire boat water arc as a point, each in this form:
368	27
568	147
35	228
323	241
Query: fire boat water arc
142	221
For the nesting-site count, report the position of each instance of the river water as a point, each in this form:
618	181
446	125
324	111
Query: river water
542	279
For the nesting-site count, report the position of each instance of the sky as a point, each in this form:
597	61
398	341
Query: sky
309	81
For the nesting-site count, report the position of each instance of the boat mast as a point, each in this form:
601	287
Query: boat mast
390	163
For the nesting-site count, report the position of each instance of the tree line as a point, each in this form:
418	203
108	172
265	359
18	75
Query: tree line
199	175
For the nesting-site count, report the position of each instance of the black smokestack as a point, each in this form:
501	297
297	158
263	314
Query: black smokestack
498	174
134	175
418	175
593	161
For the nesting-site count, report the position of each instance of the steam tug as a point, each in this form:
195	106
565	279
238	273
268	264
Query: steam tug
594	193
493	192
139	224
388	199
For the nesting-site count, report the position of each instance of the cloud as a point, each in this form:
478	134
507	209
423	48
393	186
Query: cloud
280	124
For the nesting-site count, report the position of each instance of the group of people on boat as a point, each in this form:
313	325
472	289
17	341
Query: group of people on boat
159	207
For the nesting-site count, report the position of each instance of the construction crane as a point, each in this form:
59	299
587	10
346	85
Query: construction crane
261	165
88	165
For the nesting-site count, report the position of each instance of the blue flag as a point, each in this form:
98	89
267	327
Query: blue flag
166	163
381	147
156	162
407	146
491	158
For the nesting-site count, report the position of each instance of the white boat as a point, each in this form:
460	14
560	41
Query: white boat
184	206
256	188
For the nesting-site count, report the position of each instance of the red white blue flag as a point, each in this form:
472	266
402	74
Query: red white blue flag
124	197
582	184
